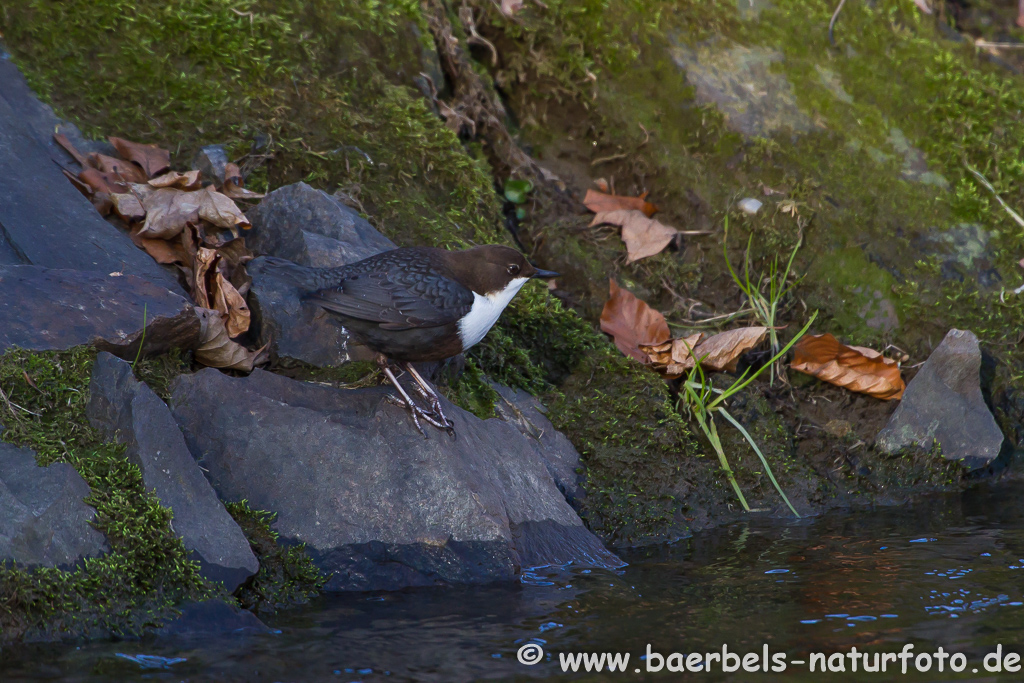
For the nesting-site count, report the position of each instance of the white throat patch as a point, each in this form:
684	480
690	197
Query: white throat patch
485	312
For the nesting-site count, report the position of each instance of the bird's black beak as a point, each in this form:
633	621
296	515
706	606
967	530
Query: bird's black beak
544	274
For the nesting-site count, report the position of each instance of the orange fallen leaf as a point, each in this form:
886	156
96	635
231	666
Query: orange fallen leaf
599	202
643	236
856	368
717	353
234	184
631	322
217	350
151	159
185	181
63	141
99	181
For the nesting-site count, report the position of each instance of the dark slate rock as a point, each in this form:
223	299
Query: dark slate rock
127	410
312	228
211	161
44	219
212	618
43	518
528	415
45	309
376	503
944	403
309	226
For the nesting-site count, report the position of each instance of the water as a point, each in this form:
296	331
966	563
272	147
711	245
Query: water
947	572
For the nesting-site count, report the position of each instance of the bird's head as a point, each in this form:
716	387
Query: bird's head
493	270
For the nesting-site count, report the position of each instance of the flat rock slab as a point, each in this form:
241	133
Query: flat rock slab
45	309
312	228
379	505
45	221
944	404
127	410
43	517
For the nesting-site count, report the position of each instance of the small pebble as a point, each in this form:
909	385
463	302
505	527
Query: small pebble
749	205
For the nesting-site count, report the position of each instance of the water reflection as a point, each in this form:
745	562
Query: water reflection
945	573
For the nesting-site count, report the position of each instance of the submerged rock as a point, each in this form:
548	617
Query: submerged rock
127	410
212	618
43	516
379	505
44	220
312	228
944	404
44	309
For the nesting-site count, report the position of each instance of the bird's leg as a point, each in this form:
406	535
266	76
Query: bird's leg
429	393
414	409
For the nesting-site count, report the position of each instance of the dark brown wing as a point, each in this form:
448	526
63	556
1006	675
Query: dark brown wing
401	297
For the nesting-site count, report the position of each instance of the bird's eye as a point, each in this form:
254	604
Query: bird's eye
513	269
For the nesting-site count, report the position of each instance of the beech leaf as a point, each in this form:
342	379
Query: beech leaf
168	210
219	209
234	184
643	236
631	322
118	169
600	202
856	368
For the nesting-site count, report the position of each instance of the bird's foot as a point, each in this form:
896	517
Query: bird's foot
417	413
434	416
427	392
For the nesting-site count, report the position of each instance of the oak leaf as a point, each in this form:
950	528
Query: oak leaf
631	322
856	368
151	159
601	202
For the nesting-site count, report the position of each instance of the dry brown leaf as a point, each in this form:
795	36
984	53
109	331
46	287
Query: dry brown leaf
234	184
632	322
151	159
63	141
216	350
663	355
168	210
119	169
128	206
99	181
204	263
185	181
643	236
162	251
219	209
599	202
718	353
856	368
227	300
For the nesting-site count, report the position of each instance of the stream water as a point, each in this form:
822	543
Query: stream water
947	572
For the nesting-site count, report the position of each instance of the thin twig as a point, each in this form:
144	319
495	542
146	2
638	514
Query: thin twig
831	24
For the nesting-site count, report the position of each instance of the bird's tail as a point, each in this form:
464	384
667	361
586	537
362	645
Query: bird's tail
305	278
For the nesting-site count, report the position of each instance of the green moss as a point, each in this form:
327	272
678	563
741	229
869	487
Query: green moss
287	575
470	391
147	570
159	371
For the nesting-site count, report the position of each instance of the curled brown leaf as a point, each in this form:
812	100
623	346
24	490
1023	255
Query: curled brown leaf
168	210
643	236
631	322
184	181
717	353
234	184
856	368
152	160
217	350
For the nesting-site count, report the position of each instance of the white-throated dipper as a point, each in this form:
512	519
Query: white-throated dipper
416	304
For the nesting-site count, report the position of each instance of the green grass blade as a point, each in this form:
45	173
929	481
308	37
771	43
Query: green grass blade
764	461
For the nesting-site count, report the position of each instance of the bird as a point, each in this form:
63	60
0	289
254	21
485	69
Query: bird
416	304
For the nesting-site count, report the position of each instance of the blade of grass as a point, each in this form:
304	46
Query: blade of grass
768	468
